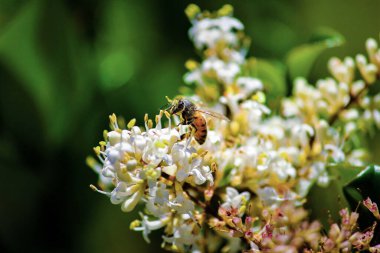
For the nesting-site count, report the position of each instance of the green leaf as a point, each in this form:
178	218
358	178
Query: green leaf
364	185
325	202
300	60
272	74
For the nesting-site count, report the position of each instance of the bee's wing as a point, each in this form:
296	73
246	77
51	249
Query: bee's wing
213	114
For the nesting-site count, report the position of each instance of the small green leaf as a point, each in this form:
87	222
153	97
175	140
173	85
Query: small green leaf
300	60
272	74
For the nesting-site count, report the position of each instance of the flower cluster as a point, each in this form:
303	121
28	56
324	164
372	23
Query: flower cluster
243	189
153	166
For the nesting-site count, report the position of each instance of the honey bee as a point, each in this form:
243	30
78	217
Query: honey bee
191	115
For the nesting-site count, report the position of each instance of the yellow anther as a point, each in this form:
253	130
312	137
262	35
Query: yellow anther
90	161
193	155
204	153
317	148
123	170
214	167
192	10
97	150
261	159
242	209
151	173
146	118
120	123
235	128
131	123
230	90
134	224
157	119
226	10
259	97
150	123
167	114
302	157
285	156
113	118
191	65
105	134
159	144
93	187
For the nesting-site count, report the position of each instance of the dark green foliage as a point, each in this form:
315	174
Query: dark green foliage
365	185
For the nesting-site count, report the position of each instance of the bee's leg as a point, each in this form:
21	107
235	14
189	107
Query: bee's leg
190	135
184	136
182	121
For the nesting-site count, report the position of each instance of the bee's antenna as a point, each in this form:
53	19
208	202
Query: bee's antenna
165	107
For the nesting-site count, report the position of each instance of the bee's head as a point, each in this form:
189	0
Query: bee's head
177	105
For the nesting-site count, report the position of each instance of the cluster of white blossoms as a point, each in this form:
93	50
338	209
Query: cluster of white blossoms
255	163
153	166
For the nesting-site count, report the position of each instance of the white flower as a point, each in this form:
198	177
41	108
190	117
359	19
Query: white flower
158	200
335	153
234	200
190	166
270	197
342	71
208	32
122	191
302	133
255	107
201	174
282	169
225	71
194	76
182	235
182	204
249	85
147	226
318	173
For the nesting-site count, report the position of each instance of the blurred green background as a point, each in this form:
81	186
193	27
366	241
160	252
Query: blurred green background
66	65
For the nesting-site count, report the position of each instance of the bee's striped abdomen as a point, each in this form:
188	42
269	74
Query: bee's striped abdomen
200	126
